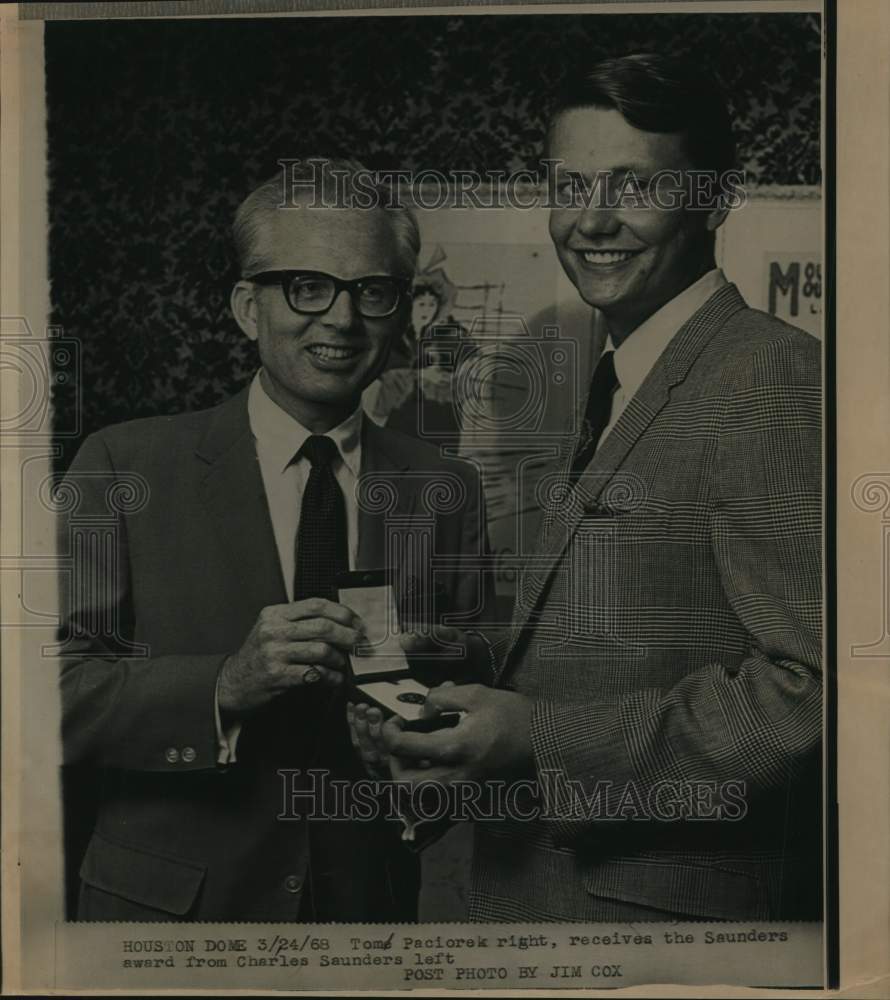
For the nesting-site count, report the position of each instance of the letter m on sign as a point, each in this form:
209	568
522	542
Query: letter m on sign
784	282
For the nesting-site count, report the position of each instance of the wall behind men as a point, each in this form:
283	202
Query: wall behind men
156	130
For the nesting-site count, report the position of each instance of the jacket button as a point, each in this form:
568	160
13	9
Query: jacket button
293	883
172	755
188	754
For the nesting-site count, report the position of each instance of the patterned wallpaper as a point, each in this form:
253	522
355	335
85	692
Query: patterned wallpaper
156	131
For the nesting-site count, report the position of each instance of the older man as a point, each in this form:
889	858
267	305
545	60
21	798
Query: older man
226	577
661	687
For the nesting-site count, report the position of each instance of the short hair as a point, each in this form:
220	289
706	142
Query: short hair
427	288
659	93
276	192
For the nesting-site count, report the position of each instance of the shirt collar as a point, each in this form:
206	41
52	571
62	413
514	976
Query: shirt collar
281	436
637	354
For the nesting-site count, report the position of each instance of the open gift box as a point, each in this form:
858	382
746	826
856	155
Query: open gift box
378	672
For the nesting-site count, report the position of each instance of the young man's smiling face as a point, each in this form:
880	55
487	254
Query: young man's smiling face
316	366
625	261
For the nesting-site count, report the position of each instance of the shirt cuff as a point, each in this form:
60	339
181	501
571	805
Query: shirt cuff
406	815
226	739
409	825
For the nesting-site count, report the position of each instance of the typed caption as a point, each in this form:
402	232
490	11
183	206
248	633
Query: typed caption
443	956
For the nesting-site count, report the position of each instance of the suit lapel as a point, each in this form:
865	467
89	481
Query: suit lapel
382	492
233	494
561	521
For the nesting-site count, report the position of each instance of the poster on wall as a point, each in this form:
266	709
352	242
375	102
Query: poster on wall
480	372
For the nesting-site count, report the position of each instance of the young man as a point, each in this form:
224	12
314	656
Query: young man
662	680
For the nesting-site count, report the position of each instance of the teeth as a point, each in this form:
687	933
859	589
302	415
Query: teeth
607	256
332	353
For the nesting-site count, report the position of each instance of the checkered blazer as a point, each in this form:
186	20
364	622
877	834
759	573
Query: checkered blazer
668	629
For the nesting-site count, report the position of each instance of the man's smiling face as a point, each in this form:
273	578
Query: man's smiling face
319	364
626	261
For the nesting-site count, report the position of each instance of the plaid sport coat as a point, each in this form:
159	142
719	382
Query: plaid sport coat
668	628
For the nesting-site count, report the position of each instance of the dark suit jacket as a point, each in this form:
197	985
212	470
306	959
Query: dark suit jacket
668	628
173	557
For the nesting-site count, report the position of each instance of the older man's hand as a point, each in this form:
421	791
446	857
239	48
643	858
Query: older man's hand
290	645
492	739
365	731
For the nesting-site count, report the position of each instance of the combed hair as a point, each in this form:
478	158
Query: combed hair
274	193
658	93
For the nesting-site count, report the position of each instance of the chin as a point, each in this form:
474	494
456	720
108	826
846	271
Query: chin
598	297
334	397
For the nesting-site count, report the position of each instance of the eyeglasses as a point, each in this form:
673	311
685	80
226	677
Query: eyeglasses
314	292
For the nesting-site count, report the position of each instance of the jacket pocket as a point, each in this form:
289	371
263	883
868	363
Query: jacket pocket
157	881
678	886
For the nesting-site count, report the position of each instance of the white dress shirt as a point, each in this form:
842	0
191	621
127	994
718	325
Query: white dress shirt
278	437
639	352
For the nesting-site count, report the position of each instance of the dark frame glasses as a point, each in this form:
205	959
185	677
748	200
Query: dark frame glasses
311	293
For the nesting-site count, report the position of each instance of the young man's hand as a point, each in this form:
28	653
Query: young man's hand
492	739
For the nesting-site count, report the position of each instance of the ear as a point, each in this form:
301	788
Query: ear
715	219
244	308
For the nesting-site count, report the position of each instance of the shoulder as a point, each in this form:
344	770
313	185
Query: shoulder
766	374
421	456
134	443
755	345
145	429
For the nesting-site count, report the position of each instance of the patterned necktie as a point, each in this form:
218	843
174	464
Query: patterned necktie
596	417
322	549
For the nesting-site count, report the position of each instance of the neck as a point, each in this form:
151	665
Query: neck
622	323
316	417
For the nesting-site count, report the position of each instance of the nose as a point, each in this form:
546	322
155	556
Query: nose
341	314
597	221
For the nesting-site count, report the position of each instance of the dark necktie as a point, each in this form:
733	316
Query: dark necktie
322	550
321	553
596	417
